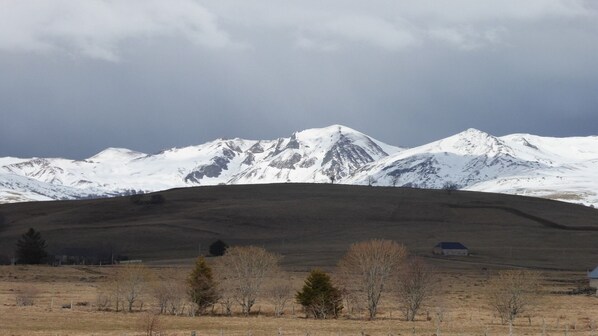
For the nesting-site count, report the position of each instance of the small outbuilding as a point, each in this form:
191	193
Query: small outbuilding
593	277
450	249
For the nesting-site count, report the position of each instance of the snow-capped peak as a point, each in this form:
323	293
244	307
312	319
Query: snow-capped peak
116	154
471	142
329	131
313	155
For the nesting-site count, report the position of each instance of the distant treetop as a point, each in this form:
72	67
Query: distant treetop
218	248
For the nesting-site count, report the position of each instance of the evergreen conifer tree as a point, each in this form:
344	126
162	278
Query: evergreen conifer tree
31	248
202	288
319	297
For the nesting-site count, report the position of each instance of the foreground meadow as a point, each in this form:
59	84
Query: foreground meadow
66	304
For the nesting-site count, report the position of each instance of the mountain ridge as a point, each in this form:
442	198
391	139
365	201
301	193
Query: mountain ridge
523	164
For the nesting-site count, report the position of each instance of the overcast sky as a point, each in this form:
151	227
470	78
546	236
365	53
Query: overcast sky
80	76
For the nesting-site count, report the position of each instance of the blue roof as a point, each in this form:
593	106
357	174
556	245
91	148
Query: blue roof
593	274
451	246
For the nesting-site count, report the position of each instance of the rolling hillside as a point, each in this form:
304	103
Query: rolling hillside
313	224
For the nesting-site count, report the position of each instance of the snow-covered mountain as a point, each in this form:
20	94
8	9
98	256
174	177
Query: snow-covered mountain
564	169
558	168
315	155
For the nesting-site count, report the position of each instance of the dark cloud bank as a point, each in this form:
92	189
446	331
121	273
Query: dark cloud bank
151	75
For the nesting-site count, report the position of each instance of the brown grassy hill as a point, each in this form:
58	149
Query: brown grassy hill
313	224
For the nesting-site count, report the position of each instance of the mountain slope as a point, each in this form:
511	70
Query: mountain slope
558	168
463	159
316	155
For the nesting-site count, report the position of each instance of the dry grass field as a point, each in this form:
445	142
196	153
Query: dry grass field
460	299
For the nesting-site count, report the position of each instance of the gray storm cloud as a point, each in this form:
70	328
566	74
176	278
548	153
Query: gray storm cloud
97	29
78	76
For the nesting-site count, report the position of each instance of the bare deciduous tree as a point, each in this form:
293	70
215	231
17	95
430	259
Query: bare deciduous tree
245	268
103	299
226	289
131	284
110	293
178	298
512	292
415	285
161	292
170	293
116	290
367	267
352	302
279	292
149	323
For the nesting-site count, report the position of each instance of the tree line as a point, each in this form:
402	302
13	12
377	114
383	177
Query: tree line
31	249
368	272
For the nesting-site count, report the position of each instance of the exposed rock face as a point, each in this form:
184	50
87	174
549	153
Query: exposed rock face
212	170
346	153
286	164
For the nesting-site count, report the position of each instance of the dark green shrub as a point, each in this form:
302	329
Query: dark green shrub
319	297
218	248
